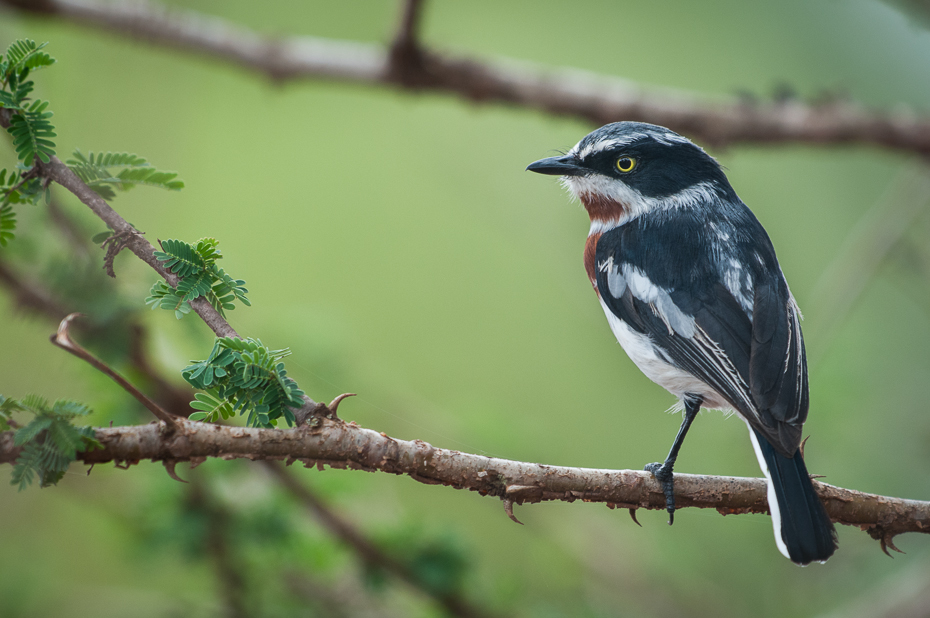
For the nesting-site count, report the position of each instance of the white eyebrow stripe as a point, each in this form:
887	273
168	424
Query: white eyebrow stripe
664	137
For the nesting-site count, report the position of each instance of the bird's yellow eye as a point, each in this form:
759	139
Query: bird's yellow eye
626	164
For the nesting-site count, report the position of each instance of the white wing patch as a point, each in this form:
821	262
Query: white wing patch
739	283
654	361
619	278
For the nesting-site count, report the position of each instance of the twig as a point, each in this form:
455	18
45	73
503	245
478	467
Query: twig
345	445
340	599
43	302
30	297
62	339
567	92
364	548
228	570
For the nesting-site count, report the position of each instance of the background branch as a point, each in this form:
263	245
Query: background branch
365	549
565	92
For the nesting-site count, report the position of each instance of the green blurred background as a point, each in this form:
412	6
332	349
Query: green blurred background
394	242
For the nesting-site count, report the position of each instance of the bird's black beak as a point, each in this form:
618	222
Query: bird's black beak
566	165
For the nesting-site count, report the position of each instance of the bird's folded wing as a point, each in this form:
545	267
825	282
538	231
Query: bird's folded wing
757	365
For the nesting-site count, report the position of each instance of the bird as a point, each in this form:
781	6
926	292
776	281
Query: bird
693	292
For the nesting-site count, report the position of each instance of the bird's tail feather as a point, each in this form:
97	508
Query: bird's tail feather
803	531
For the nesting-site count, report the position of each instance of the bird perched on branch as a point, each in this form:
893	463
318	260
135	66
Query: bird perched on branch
693	292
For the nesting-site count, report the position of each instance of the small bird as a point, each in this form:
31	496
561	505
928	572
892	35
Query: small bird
693	292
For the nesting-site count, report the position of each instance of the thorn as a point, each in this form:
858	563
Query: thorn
90	469
169	467
803	442
887	541
633	516
508	508
335	402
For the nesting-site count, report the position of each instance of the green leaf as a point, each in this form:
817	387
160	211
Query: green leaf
26	54
179	257
244	376
50	442
30	431
102	236
31	133
163	296
111	171
7	224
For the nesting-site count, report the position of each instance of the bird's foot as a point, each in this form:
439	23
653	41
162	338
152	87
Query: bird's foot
662	472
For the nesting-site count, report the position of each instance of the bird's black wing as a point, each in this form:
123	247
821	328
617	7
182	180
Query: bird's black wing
670	285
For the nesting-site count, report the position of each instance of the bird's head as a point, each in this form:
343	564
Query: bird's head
626	169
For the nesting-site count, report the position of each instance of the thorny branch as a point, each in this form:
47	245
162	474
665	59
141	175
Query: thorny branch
409	65
345	445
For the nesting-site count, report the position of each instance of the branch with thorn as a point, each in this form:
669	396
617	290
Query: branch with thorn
335	443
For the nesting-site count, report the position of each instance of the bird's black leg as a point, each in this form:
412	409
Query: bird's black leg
663	472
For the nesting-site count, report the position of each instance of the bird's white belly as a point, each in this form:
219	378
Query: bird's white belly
644	355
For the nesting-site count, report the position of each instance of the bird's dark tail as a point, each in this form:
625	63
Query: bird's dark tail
803	532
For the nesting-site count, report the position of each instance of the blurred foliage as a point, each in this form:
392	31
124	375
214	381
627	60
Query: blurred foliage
393	242
50	441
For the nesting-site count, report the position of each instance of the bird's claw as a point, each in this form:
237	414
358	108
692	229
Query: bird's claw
663	474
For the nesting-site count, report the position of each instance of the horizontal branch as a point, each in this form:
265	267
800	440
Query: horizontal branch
345	445
566	92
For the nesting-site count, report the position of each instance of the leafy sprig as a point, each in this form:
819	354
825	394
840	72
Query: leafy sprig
245	377
109	172
50	441
15	188
30	126
200	276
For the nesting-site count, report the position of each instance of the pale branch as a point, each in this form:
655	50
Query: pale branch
366	550
565	92
345	445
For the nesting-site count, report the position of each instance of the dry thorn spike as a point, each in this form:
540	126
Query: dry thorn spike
169	467
887	541
508	508
633	516
334	404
